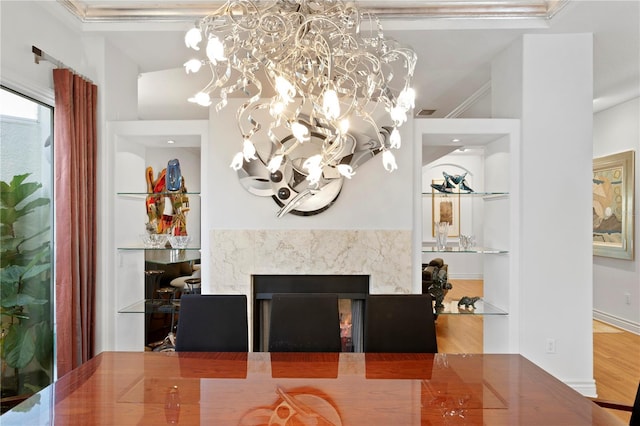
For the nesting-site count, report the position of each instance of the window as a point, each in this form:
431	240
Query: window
26	226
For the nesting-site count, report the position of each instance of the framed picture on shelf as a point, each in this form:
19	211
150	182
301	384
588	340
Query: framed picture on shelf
613	204
445	207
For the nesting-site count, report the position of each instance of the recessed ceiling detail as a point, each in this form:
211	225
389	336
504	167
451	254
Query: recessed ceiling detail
116	11
425	112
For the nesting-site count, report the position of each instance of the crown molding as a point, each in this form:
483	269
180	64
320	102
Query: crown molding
88	11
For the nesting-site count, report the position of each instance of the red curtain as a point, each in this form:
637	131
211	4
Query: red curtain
75	216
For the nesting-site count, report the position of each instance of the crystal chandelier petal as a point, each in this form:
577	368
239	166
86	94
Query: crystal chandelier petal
328	67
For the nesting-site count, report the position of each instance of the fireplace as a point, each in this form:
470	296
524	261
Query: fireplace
351	290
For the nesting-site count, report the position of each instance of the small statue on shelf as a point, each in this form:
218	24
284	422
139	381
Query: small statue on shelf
467	302
439	287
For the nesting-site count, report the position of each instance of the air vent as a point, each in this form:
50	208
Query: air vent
425	112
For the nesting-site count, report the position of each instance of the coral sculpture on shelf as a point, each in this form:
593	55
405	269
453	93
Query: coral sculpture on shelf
166	210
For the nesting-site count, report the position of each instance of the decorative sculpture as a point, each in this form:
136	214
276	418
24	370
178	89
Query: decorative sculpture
166	210
288	185
467	302
439	287
450	182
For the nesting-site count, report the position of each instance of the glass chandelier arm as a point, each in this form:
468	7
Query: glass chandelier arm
244	115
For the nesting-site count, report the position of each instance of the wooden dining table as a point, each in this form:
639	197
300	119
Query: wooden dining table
260	388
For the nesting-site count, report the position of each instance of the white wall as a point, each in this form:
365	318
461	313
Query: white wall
26	24
615	130
546	80
50	28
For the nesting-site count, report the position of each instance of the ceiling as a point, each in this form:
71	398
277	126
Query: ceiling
455	41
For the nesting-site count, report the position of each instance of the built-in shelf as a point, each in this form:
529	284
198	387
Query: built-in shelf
143	195
141	247
166	256
467	194
429	248
151	306
481	308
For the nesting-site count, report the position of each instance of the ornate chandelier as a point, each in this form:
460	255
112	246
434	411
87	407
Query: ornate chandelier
313	73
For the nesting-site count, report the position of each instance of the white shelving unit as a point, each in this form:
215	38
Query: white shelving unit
490	213
136	145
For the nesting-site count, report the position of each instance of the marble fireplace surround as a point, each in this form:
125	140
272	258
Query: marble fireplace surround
236	255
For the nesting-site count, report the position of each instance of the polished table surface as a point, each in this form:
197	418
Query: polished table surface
154	388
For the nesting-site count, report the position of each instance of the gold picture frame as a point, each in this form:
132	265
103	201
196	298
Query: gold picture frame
613	205
445	207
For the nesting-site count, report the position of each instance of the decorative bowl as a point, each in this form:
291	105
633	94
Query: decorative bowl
154	240
179	241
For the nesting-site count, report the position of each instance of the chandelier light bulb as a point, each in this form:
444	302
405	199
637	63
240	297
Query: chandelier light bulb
249	150
193	38
192	65
201	98
275	163
394	139
343	128
389	161
407	99
312	165
276	109
285	89
398	115
330	104
215	50
237	162
300	131
345	170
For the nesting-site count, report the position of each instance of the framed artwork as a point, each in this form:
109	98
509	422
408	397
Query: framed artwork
445	208
613	204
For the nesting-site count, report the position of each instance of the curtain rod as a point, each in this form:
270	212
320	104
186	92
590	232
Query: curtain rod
39	55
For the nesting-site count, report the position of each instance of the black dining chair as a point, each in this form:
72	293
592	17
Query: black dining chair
400	323
212	323
304	323
633	409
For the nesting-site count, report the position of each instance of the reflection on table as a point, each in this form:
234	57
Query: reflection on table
306	388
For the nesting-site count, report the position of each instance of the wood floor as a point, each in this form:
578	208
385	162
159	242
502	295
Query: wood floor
616	353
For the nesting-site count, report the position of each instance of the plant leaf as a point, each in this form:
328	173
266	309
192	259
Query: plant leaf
27	299
8	216
11	194
44	343
31	206
7	191
18	348
34	270
21	299
11	274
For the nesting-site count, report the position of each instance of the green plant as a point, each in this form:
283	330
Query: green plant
26	344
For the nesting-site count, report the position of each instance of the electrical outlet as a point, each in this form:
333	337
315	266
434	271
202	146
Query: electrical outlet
551	346
627	298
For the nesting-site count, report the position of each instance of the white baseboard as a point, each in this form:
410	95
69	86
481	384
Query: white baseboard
630	326
586	388
465	276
